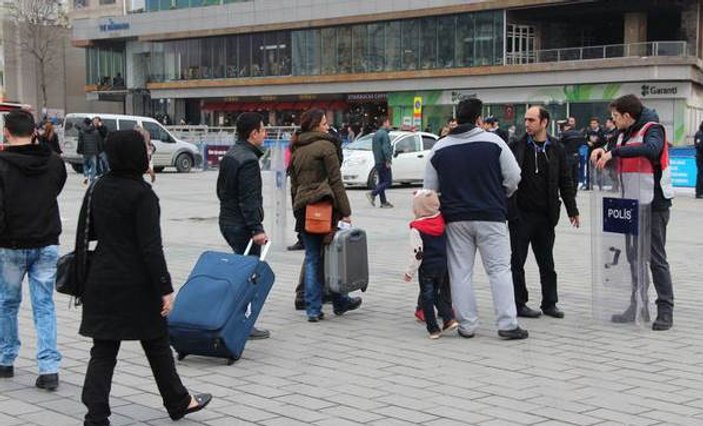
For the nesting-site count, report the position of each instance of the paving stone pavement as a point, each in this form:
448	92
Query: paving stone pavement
375	366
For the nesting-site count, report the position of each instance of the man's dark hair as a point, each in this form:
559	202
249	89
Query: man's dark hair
594	119
468	111
20	123
246	123
382	119
629	104
450	119
543	114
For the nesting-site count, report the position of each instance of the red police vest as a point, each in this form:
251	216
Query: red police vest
637	173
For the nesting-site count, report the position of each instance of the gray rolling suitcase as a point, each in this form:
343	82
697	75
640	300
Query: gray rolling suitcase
347	262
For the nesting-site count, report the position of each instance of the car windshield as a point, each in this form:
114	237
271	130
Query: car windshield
361	144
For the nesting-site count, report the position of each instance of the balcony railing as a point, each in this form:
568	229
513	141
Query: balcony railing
654	48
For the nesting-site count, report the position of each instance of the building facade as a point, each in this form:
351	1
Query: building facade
206	61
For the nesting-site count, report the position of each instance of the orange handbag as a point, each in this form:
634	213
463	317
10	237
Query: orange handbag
318	217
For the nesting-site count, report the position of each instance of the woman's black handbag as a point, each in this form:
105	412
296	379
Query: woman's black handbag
71	268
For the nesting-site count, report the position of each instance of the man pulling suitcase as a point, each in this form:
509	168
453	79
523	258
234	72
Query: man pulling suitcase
239	190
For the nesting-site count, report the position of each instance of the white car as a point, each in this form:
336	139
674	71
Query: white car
410	151
170	152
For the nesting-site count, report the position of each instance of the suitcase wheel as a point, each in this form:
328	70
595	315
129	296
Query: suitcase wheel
180	356
231	361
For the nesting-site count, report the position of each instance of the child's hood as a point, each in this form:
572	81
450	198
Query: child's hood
433	226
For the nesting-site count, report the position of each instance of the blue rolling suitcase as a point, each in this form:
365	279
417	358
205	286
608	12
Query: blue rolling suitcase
218	305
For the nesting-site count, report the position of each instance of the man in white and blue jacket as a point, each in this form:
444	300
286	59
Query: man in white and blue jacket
475	172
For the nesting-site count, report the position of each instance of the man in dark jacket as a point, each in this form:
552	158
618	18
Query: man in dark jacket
102	164
534	210
595	138
698	143
31	178
240	192
89	143
630	116
383	157
572	140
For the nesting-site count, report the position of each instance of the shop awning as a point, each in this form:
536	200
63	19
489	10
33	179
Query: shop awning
274	106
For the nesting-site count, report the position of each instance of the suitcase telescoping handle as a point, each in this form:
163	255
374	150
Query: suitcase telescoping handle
264	251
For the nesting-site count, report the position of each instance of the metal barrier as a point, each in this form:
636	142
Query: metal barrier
214	142
654	48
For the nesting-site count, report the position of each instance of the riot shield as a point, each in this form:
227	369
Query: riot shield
620	245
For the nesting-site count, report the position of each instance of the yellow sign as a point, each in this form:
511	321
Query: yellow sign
417	106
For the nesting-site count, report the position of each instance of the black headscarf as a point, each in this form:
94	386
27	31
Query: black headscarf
126	153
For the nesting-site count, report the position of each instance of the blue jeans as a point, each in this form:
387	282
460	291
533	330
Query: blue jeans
90	167
40	265
102	164
313	286
385	180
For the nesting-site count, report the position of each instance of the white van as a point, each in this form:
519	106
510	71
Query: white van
170	152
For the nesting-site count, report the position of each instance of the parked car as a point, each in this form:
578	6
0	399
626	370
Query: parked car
410	151
170	152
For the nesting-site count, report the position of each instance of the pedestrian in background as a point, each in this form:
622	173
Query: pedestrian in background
572	140
89	147
698	144
595	138
128	292
383	157
315	176
31	179
239	190
534	210
474	172
103	165
50	138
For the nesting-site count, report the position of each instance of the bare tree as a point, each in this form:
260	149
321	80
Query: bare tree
40	25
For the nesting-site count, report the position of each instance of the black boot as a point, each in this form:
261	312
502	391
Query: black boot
664	321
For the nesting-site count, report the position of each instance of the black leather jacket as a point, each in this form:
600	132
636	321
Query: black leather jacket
239	188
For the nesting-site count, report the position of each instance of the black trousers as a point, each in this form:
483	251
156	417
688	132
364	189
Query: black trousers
575	168
238	237
432	287
98	378
699	178
534	229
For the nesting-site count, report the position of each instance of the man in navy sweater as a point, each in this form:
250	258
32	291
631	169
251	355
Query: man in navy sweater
475	172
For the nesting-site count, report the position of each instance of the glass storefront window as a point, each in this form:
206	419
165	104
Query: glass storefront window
461	40
329	50
465	40
446	28
244	55
313	43
428	43
231	63
359	48
105	67
344	50
410	43
393	54
375	53
305	52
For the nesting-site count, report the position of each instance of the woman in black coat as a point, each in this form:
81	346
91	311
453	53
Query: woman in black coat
128	291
